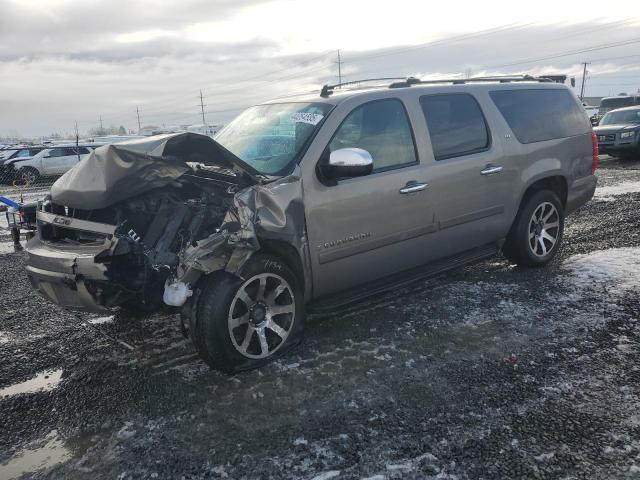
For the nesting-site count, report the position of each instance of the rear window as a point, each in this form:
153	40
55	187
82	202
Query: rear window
542	114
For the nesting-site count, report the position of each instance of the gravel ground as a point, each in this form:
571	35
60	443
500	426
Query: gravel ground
489	371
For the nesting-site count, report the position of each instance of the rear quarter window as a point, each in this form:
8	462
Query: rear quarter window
536	115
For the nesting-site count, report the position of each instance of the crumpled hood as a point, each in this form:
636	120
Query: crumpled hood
113	173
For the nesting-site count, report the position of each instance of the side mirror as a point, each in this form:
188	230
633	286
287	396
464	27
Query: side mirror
348	162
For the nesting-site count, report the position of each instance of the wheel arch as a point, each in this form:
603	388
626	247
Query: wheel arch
290	255
556	183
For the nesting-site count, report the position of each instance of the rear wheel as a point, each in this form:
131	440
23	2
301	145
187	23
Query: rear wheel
244	323
536	234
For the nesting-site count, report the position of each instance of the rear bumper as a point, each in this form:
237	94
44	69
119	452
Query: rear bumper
580	192
64	276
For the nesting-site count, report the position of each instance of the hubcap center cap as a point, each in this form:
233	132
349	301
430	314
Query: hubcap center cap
539	228
258	315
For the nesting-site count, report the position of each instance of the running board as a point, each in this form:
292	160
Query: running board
398	280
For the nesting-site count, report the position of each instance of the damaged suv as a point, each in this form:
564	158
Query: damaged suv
314	203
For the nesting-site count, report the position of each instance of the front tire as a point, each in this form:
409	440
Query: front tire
536	234
245	322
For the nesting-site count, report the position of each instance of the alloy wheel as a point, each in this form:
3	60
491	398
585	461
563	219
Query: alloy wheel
261	315
544	229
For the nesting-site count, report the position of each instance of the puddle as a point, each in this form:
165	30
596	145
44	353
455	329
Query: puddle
100	320
36	457
44	381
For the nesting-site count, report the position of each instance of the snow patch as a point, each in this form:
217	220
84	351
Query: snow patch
43	382
614	268
606	193
35	458
327	475
6	247
100	320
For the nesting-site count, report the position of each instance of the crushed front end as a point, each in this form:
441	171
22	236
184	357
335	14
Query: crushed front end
148	226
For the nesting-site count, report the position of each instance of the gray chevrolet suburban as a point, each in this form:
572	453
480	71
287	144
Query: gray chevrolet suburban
315	202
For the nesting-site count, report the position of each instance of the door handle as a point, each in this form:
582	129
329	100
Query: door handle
413	187
491	170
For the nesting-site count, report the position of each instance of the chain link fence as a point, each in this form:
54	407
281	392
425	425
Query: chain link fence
23	181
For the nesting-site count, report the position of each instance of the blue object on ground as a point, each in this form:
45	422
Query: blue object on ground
9	202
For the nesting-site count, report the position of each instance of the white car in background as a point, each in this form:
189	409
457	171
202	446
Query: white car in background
49	162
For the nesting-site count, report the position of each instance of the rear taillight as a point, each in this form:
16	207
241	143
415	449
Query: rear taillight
595	162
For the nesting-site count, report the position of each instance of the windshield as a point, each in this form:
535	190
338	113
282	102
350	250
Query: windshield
271	137
621	118
6	153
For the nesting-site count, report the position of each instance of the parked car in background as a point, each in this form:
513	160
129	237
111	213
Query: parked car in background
13	154
365	189
48	162
612	103
619	133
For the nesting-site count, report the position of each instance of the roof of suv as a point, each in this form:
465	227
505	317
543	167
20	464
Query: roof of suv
337	94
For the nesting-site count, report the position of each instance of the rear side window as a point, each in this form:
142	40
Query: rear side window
456	125
538	115
381	128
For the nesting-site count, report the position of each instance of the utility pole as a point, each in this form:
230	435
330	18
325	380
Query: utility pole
101	127
202	108
339	62
77	141
584	78
138	114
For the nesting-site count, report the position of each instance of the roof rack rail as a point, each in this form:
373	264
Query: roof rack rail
408	81
328	89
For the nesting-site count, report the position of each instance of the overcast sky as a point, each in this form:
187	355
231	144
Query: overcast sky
75	60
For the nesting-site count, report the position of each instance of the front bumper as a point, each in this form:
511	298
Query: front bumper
67	277
616	145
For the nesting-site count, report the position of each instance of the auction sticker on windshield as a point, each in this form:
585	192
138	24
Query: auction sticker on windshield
303	117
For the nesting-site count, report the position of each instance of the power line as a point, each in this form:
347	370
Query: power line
569	53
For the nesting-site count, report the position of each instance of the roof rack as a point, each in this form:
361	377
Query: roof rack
408	81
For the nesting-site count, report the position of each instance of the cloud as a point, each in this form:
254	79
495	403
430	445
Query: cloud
64	61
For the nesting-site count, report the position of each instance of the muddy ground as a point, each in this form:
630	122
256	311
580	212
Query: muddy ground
489	371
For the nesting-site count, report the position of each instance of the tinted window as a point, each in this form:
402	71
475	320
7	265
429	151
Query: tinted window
456	125
83	150
381	128
23	153
56	152
537	115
